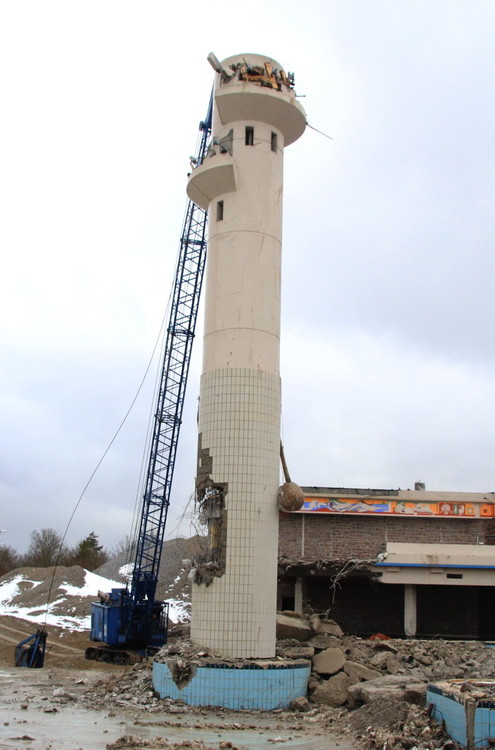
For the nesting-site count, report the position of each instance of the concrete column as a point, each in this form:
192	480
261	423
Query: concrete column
240	183
410	612
298	595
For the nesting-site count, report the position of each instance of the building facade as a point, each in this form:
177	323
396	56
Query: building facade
399	562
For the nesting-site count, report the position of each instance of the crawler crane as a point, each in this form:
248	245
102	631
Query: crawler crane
132	618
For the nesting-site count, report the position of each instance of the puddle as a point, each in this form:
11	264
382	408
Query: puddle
80	729
72	727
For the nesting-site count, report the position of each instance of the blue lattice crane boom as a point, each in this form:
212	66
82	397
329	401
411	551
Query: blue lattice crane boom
132	617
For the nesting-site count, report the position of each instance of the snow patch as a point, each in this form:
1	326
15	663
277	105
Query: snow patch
66	600
10	589
178	611
126	571
92	584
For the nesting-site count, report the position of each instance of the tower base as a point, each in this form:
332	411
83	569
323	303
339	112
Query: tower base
260	685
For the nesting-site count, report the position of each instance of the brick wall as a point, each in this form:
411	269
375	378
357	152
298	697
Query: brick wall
324	537
490	531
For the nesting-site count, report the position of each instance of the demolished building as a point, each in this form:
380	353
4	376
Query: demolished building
400	562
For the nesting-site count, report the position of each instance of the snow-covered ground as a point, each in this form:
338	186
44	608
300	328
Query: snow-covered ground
69	605
69	593
178	611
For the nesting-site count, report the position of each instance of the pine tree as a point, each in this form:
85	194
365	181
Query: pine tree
89	553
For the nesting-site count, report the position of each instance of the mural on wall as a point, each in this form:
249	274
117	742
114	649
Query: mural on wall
386	506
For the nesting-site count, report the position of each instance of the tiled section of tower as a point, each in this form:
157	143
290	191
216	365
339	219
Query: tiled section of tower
240	183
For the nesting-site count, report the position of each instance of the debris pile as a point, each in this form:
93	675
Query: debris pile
187	651
393	724
129	742
372	689
397	725
128	689
351	671
476	690
382	681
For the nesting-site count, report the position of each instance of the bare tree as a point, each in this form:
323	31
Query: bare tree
126	547
46	548
9	559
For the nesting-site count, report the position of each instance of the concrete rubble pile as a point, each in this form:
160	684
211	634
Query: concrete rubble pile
397	725
129	689
373	688
352	671
382	681
129	742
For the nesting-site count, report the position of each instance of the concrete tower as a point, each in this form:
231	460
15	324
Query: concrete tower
240	183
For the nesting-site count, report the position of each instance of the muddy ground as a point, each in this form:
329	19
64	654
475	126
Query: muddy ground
74	704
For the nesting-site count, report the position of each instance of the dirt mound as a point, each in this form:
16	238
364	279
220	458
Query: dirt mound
396	725
174	552
173	584
58	596
62	596
37	586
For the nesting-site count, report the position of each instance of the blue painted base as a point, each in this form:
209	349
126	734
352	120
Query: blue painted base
469	721
253	685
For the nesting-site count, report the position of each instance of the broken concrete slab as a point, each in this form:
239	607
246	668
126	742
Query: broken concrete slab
383	688
422	658
330	627
300	704
297	652
379	660
293	626
315	622
372	692
313	684
359	672
320	642
393	665
384	646
332	692
387	662
329	661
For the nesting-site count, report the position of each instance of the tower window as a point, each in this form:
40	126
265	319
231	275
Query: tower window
220	211
249	135
274	142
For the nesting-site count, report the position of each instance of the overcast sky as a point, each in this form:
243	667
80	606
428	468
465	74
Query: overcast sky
388	357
